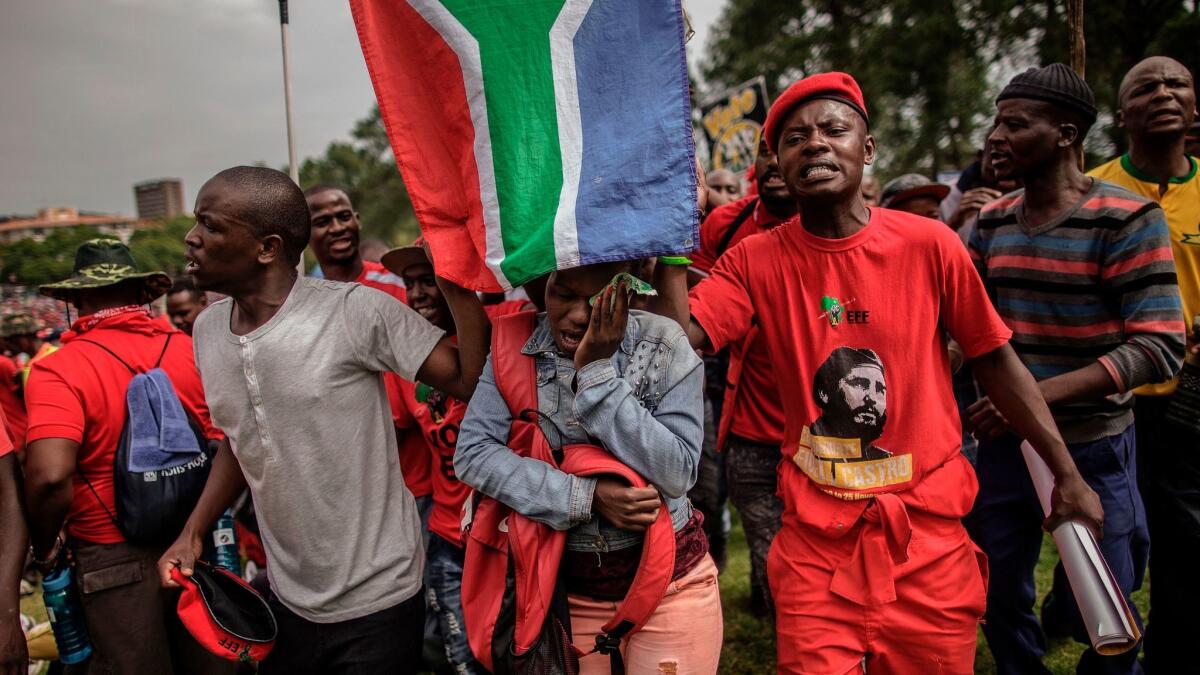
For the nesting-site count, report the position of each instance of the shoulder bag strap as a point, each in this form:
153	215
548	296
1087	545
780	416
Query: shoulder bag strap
735	226
515	373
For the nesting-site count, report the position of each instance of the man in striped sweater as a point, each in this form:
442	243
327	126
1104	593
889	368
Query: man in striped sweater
1081	271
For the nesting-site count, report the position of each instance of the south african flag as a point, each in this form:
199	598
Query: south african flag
536	135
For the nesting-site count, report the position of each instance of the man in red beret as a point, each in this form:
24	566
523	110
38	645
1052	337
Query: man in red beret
872	561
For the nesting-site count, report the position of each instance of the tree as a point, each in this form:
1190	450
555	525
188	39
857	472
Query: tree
1119	34
930	69
367	170
161	246
31	262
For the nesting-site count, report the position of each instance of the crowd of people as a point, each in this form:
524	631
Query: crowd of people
539	484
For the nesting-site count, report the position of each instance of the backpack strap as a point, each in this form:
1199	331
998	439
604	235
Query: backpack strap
133	373
99	501
735	226
515	373
114	354
158	361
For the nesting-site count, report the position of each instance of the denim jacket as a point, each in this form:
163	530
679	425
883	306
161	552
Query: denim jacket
643	405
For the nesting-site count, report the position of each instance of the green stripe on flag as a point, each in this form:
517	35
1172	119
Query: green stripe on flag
514	51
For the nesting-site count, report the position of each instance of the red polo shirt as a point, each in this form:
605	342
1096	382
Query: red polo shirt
11	402
78	393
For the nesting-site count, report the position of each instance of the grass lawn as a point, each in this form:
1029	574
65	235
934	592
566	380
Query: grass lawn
750	642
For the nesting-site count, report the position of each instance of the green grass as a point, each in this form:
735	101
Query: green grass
750	642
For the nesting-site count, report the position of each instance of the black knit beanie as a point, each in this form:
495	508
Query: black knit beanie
1056	84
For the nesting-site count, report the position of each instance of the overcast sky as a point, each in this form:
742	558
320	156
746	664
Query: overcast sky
99	95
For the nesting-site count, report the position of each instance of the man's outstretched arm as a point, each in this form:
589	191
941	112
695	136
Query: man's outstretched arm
1016	395
454	369
672	302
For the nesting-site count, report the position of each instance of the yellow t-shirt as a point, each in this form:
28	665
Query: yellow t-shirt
1182	206
46	350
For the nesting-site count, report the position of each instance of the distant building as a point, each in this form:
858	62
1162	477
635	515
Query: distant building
162	198
58	217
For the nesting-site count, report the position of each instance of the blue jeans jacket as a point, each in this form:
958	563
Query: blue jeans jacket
643	405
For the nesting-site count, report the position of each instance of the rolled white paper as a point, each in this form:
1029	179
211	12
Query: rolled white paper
1110	624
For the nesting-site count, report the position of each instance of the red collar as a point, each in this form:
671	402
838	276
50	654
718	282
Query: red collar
133	318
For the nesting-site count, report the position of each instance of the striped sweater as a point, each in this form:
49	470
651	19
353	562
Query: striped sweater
1096	283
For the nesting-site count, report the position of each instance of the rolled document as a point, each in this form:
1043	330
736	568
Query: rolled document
1110	624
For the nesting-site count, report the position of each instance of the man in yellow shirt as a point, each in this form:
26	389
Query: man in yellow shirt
1157	101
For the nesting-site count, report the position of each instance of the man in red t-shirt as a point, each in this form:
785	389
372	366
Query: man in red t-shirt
872	560
77	409
730	223
429	419
14	656
335	243
12	401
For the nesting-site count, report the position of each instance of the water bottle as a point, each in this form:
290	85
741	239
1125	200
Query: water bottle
223	549
66	616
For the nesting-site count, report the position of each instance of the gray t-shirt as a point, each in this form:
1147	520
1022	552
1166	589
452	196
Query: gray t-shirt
303	403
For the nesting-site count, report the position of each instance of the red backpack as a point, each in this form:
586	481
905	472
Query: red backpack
512	562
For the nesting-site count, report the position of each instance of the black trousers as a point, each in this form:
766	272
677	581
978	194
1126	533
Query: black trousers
1169	478
387	642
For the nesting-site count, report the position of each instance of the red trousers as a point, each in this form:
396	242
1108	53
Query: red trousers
902	591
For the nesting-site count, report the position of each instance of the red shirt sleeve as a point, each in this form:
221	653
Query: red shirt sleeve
721	304
967	311
6	444
705	257
55	410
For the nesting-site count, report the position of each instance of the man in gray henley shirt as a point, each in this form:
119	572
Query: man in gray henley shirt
292	370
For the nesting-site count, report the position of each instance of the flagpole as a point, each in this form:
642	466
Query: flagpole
293	168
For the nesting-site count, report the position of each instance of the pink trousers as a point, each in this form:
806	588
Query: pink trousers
683	637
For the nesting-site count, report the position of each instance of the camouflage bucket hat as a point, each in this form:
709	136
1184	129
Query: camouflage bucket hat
18	324
106	262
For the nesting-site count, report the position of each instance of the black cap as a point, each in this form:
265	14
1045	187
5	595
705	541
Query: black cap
1056	84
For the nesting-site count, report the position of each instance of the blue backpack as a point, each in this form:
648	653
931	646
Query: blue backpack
162	459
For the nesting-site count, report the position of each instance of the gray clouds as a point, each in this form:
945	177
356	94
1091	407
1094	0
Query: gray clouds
104	93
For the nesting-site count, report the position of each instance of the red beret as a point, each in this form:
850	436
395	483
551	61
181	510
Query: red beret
834	86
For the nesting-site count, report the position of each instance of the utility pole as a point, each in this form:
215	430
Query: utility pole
1078	47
